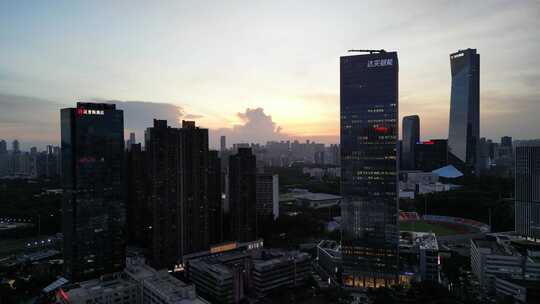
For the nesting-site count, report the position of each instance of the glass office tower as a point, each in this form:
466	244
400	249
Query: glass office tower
369	164
93	211
464	128
411	136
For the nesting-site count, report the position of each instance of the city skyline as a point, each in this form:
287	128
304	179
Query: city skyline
249	91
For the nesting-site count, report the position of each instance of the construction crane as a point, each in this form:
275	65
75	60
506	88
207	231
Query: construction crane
368	51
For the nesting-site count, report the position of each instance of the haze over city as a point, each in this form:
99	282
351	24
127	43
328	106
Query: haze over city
257	71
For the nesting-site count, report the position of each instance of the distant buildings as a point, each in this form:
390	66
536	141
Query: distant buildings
223	143
411	136
93	210
527	191
131	141
369	167
243	195
464	128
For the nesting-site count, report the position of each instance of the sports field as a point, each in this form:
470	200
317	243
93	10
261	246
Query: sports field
440	229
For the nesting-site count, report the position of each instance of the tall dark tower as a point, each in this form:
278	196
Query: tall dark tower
215	206
369	141
92	175
242	195
411	136
527	189
138	221
464	127
178	196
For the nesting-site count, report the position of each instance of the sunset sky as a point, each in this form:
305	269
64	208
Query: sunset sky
258	70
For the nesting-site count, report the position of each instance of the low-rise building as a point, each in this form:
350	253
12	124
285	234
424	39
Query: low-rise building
115	288
274	270
505	256
423	250
522	291
232	272
137	284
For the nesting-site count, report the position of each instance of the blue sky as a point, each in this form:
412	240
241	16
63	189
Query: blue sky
272	65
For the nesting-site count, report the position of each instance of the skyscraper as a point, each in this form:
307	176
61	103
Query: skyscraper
223	143
464	128
15	146
131	141
93	207
411	135
215	206
242	195
178	194
369	139
267	197
138	220
527	191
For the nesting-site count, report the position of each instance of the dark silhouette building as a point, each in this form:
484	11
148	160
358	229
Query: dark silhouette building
369	143
506	141
178	195
411	135
215	209
464	128
527	188
431	154
93	208
242	195
138	221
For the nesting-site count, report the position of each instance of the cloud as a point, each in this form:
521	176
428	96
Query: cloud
257	127
36	121
33	121
139	115
193	116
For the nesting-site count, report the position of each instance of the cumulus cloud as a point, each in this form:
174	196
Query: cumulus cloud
256	127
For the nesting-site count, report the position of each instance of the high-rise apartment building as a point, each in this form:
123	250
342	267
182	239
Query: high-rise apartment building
411	135
527	191
369	178
138	209
464	128
92	175
242	195
267	197
215	205
178	195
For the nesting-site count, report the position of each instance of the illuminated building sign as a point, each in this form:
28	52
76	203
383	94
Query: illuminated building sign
82	111
381	129
223	247
379	63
